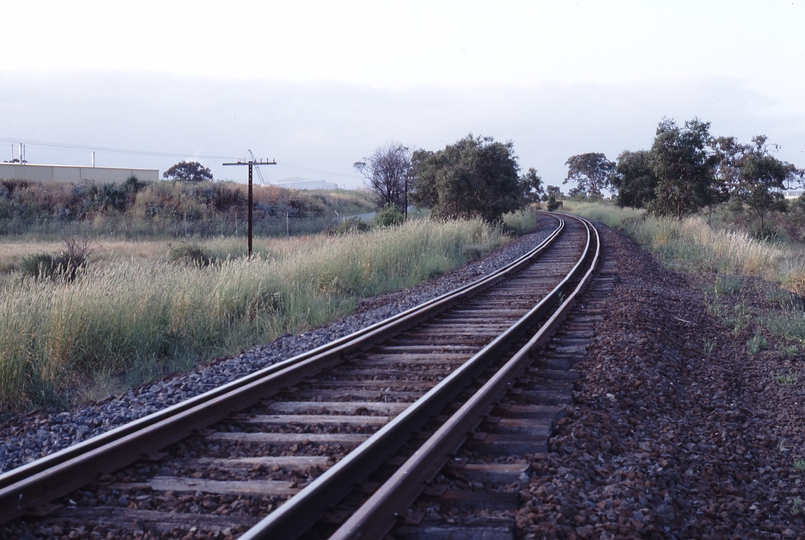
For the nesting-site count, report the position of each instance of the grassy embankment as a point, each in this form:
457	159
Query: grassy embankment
138	210
724	256
693	245
133	315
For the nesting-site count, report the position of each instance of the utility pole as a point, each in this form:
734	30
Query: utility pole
251	163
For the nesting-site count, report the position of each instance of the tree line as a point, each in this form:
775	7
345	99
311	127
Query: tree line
687	170
474	177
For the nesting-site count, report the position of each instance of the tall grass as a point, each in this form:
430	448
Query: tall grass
692	244
141	318
520	222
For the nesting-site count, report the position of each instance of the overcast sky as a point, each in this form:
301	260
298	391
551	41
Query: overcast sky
320	85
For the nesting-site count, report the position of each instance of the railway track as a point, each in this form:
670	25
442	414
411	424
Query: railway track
338	441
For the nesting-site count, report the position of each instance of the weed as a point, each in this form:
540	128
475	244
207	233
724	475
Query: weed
787	379
742	321
728	285
712	304
792	350
785	299
796	505
757	343
709	346
799	465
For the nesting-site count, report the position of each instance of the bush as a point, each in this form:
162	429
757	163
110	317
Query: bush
389	216
191	254
767	232
553	204
351	225
64	266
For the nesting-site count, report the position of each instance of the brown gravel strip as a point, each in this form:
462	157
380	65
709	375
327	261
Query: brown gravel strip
676	431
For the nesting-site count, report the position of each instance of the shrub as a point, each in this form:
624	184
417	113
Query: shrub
45	265
352	225
553	204
64	266
191	254
389	216
767	232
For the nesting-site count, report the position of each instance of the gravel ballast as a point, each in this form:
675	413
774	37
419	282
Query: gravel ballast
677	430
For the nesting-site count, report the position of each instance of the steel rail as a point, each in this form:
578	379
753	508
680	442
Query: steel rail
298	514
376	517
43	480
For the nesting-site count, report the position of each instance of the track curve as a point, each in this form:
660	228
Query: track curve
296	438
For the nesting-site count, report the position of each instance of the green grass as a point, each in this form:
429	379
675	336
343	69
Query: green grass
520	222
140	318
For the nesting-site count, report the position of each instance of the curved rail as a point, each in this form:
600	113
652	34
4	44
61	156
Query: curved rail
60	473
375	518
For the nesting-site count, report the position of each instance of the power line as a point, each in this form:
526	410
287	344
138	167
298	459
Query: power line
81	147
64	146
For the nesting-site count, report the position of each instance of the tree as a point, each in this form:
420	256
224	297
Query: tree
683	167
188	171
553	193
476	176
532	186
388	173
590	172
634	179
761	179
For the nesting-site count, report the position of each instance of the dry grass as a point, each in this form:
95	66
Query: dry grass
133	314
694	245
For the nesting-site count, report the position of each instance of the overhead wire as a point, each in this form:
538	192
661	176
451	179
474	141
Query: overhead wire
82	147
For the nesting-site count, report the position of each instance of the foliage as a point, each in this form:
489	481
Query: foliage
63	266
388	171
135	208
761	178
192	254
683	167
351	225
552	193
389	216
532	187
634	179
475	177
787	379
553	205
591	173
188	171
757	344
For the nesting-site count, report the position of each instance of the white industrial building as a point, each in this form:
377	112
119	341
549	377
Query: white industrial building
73	174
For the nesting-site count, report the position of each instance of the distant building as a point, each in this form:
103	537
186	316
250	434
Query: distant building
793	193
304	183
73	174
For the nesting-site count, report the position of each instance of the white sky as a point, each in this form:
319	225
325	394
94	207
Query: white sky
319	85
